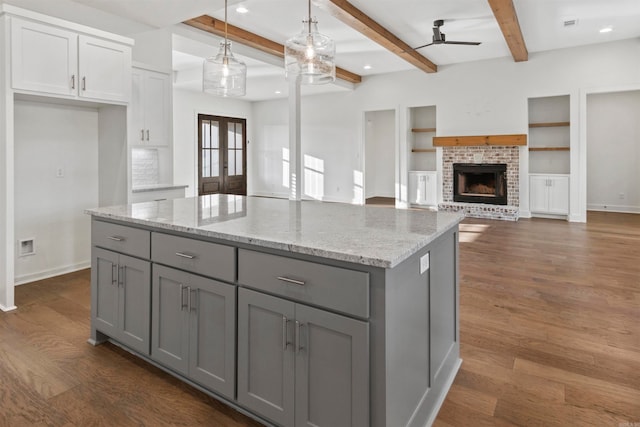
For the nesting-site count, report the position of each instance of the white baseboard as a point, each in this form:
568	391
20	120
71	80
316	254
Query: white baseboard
613	208
3	308
45	274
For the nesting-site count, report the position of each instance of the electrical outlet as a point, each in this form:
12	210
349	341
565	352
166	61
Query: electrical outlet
60	172
424	263
621	196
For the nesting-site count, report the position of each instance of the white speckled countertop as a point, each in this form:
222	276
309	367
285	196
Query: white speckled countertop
369	235
157	187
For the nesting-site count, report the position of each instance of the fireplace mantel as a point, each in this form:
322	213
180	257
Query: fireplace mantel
480	140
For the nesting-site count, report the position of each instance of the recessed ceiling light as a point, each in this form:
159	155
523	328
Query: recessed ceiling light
242	9
367	67
606	29
278	92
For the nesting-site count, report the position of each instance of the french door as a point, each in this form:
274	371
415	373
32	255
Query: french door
222	159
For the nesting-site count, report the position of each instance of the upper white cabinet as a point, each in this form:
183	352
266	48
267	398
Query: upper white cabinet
53	61
151	108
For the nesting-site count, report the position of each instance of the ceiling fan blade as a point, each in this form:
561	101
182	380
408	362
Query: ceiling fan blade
463	43
420	47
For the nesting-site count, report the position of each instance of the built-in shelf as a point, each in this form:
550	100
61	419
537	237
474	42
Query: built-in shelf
549	148
548	124
423	130
423	150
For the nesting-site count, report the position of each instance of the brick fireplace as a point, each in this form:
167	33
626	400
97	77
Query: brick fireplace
508	155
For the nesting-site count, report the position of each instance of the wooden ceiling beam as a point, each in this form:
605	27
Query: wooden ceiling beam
361	22
505	13
236	34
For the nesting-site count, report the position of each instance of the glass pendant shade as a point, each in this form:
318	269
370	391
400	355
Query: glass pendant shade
311	56
224	75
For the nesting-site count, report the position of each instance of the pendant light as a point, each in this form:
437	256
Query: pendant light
310	55
224	75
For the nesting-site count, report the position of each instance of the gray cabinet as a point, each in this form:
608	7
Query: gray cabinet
301	366
193	327
121	297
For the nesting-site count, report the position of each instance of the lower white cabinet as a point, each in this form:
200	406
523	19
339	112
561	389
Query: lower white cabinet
301	366
549	194
423	188
120	297
193	327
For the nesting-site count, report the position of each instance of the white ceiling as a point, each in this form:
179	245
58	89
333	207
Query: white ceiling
411	20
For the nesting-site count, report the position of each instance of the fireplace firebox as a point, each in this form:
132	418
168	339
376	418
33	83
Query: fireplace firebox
480	183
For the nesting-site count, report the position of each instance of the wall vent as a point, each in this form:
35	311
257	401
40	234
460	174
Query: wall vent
570	22
26	247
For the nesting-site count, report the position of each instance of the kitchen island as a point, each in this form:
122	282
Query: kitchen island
296	313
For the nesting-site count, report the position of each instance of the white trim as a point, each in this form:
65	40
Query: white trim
46	274
5	309
441	398
613	208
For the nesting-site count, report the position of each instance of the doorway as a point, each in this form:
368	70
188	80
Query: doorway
380	157
222	155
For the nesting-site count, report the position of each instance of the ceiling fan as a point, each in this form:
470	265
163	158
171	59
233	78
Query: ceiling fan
439	38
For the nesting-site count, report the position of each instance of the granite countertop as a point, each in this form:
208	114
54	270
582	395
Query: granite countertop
369	235
156	187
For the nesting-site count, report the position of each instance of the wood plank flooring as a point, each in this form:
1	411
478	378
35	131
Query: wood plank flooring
550	336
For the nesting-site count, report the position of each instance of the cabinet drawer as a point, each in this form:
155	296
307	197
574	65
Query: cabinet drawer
121	238
205	258
326	286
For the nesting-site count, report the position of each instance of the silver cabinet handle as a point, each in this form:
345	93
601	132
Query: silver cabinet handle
141	134
183	255
299	345
182	288
114	274
116	238
188	298
73	81
285	340
147	134
84	83
121	276
293	281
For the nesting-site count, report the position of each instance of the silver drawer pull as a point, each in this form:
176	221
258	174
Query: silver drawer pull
183	255
116	238
293	281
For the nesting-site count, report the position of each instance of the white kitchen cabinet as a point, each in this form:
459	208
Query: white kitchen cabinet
52	61
423	188
151	108
549	194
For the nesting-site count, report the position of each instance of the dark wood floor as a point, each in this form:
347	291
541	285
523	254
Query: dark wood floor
550	336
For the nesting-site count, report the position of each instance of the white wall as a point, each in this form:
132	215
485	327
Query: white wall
48	208
613	151
477	98
380	159
331	142
186	107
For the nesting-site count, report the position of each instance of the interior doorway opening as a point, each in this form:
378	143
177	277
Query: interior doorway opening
380	157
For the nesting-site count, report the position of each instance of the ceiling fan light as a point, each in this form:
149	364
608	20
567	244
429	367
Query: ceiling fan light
310	55
224	75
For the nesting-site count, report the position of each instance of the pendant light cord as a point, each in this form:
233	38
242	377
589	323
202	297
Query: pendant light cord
309	16
226	42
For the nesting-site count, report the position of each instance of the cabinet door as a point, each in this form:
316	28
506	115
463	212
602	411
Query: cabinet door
104	69
265	356
43	59
157	108
170	318
332	369
104	291
538	194
212	335
559	195
431	190
137	127
134	303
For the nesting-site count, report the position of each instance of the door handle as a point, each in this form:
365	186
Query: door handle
114	274
147	134
84	83
121	276
285	337
182	305
141	134
299	345
73	81
292	281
